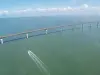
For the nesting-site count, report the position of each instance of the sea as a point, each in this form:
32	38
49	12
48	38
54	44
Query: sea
70	52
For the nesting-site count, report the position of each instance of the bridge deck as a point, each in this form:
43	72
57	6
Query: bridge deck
43	29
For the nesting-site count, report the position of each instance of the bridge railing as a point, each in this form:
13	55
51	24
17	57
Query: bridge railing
43	31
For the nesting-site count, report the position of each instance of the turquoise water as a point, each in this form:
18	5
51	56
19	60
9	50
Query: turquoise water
64	53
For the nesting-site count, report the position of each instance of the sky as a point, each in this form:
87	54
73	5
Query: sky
18	8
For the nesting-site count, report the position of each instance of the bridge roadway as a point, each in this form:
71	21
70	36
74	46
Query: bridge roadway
26	33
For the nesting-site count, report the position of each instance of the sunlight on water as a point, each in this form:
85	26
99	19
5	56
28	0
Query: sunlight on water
43	68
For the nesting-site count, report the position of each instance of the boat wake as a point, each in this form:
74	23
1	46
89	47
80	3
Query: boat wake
43	68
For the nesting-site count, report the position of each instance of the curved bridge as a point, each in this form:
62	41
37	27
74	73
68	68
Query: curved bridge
44	31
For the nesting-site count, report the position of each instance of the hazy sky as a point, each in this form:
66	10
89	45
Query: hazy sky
29	7
45	3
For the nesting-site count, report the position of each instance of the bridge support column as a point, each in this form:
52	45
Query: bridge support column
27	36
61	29
97	24
1	40
90	26
82	27
46	31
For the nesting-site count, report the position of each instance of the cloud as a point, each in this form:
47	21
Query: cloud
23	11
85	5
84	8
4	12
54	9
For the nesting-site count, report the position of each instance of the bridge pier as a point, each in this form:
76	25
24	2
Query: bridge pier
97	24
61	29
82	27
1	40
27	36
73	29
46	31
90	26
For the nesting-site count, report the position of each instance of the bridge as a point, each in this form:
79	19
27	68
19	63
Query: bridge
45	31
